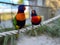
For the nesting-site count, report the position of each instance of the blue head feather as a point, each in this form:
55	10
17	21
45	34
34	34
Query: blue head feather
21	8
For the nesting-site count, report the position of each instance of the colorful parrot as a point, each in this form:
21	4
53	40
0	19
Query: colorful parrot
19	20
35	19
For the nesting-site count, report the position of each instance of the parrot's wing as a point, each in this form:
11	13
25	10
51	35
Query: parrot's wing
14	21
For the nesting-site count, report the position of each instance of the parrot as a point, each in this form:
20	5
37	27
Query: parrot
35	19
20	19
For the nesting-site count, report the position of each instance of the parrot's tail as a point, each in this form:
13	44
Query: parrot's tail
21	24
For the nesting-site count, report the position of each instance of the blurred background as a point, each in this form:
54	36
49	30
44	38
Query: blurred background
45	8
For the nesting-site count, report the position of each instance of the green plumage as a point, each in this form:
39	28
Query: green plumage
15	25
14	22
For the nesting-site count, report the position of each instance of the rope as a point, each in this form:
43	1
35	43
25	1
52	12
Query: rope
28	28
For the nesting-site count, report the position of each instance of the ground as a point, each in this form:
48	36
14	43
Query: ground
39	40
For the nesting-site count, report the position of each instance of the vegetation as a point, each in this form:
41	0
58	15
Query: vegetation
52	29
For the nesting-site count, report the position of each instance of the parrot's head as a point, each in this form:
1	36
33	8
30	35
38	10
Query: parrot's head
21	8
33	13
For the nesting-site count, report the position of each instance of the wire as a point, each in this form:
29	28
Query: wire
8	3
25	5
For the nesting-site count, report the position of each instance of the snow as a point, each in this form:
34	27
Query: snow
39	40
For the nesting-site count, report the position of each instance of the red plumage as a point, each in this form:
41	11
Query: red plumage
36	20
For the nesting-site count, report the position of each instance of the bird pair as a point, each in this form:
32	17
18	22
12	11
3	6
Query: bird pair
20	18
